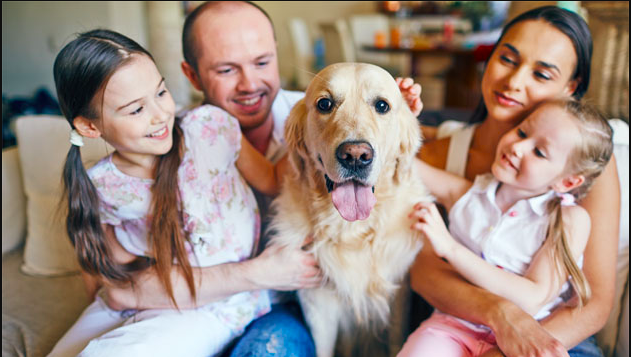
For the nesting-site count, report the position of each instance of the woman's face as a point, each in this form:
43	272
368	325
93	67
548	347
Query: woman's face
533	62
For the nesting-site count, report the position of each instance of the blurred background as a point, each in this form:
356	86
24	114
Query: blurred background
441	44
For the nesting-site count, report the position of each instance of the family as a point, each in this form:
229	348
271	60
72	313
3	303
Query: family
169	228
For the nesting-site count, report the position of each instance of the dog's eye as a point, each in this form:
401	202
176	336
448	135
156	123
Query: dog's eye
382	107
324	105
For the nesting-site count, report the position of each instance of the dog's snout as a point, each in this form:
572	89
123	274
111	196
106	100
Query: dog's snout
354	155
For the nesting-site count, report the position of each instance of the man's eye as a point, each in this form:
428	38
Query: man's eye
224	70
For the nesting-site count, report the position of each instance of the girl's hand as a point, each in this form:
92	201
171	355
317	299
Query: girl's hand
429	221
411	93
286	269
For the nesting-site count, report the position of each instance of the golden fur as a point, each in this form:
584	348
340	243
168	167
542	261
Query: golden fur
363	261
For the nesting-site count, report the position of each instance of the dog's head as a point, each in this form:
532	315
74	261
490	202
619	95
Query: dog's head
352	126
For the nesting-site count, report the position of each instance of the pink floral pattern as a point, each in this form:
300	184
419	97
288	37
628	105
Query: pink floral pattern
220	214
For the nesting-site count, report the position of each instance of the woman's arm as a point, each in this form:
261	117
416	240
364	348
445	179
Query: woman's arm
517	333
570	325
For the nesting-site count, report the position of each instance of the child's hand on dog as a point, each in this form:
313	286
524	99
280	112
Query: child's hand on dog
428	221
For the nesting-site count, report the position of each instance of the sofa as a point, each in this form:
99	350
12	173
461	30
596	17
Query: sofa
42	292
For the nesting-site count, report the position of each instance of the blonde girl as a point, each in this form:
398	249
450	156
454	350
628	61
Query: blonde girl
518	232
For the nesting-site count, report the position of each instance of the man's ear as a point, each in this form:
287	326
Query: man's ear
190	73
568	183
86	127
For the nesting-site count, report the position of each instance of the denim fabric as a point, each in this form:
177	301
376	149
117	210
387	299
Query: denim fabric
280	333
587	348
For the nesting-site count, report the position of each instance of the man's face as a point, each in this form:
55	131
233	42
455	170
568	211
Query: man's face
237	63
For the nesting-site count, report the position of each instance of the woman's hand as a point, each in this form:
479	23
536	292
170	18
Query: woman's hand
411	93
518	335
429	222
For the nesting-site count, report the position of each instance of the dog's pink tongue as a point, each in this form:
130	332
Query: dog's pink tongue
353	201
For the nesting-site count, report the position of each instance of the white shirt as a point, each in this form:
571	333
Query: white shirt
508	240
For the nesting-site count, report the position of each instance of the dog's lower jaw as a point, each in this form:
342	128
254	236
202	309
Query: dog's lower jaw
330	185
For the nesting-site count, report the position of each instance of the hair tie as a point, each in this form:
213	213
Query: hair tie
567	199
75	138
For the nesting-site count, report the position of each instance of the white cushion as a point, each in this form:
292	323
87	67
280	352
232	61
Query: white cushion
43	143
13	201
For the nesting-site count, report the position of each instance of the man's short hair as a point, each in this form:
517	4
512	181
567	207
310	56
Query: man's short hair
189	45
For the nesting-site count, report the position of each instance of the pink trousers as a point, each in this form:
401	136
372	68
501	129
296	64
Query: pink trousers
445	336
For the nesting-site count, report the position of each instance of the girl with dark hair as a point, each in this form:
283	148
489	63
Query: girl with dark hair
542	54
169	199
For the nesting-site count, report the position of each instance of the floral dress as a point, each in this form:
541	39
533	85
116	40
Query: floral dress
220	213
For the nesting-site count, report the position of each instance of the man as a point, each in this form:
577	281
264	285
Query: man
230	55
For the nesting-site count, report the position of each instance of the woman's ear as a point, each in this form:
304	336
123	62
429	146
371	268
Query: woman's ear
568	183
571	86
86	127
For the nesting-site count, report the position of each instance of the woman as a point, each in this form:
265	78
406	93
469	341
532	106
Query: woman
541	54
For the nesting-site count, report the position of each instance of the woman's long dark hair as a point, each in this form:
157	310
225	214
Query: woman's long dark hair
574	27
82	70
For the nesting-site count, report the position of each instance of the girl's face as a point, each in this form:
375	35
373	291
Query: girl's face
533	156
533	62
138	111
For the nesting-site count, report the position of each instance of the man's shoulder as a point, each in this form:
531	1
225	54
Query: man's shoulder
289	96
284	101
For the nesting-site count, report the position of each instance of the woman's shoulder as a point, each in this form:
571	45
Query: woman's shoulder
449	127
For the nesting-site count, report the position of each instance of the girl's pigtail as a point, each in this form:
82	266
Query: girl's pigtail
83	222
563	254
83	225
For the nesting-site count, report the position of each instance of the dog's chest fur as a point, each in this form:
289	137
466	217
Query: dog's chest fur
363	261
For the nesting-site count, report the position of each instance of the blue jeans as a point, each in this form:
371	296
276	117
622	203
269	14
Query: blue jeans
587	348
280	333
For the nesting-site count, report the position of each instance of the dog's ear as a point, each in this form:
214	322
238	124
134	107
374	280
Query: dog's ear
295	135
411	139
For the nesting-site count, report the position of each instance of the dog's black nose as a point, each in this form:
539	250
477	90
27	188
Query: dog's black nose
354	155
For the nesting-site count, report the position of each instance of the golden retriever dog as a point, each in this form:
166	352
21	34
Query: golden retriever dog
352	141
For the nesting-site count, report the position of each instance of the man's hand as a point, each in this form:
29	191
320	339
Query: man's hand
411	93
